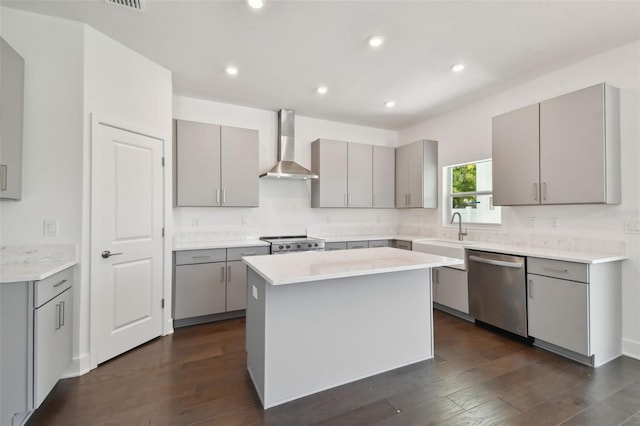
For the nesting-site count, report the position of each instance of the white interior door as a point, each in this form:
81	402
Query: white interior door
126	238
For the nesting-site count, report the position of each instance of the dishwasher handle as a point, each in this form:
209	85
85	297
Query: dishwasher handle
515	265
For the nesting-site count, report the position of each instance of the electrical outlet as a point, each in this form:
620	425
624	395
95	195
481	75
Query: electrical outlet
531	222
244	220
50	228
554	222
195	221
632	226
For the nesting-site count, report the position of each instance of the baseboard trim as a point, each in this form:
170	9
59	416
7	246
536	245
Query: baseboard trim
631	348
79	366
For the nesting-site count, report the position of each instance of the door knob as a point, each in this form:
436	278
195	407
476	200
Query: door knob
107	254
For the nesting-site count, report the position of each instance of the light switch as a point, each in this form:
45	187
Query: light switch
50	228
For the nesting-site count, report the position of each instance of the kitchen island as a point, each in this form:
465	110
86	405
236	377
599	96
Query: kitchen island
317	320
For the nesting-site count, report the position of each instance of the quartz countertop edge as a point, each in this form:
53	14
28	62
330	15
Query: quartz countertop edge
200	245
304	267
32	271
546	253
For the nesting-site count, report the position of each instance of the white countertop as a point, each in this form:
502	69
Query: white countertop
546	253
198	245
314	266
18	272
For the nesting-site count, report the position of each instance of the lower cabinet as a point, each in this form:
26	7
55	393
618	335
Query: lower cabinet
357	244
450	288
574	309
36	342
210	284
348	245
380	243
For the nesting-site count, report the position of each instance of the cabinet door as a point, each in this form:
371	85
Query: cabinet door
423	184
11	121
359	175
199	290
558	312
335	246
53	344
572	147
402	177
384	171
197	164
239	166
380	243
357	244
451	289
516	157
329	160
236	285
416	154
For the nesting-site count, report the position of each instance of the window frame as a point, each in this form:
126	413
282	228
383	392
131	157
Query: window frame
448	195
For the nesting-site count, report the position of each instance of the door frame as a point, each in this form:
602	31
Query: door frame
98	119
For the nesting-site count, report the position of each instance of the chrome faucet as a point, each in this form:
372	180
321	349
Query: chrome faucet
460	233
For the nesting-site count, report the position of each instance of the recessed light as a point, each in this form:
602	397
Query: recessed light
322	90
390	104
376	40
256	4
457	67
231	70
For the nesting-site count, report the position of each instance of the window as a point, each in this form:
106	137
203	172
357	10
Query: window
468	192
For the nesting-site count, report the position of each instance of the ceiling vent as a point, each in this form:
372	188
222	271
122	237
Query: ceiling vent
129	4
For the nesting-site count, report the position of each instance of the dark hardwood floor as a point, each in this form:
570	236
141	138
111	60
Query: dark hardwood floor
198	376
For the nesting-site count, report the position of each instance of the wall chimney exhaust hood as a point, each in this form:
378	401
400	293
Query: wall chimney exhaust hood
286	167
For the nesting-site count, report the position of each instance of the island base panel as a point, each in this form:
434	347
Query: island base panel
308	337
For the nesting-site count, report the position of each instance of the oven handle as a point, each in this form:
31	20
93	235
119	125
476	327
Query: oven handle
514	265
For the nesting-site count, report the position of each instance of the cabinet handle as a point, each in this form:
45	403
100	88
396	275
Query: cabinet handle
59	284
228	273
200	257
544	191
560	271
218	196
222	274
224	196
57	316
530	289
535	191
62	314
3	176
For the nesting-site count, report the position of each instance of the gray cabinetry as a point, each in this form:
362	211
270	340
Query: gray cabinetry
346	174
417	175
329	161
53	332
380	243
215	165
402	244
574	308
36	342
357	244
11	121
564	150
384	173
210	282
330	246
451	289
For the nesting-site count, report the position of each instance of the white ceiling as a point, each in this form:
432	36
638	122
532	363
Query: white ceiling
288	48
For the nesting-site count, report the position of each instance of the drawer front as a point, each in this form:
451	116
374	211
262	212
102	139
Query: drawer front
49	288
558	269
190	257
357	244
380	243
237	253
335	246
402	244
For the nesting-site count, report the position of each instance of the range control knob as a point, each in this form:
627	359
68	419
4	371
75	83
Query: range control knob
281	247
309	245
299	245
288	246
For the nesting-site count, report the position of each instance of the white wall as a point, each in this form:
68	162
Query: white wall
465	135
284	204
124	86
53	135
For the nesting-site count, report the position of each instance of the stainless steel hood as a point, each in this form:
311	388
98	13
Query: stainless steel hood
286	167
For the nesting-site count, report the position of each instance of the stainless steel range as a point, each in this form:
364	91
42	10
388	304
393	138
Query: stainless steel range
294	243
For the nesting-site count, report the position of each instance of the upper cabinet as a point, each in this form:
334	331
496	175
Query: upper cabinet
11	121
215	165
565	150
384	176
417	175
351	175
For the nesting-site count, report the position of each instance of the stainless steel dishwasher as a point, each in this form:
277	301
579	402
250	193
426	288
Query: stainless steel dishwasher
498	290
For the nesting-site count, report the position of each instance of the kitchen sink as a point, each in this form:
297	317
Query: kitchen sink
441	247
